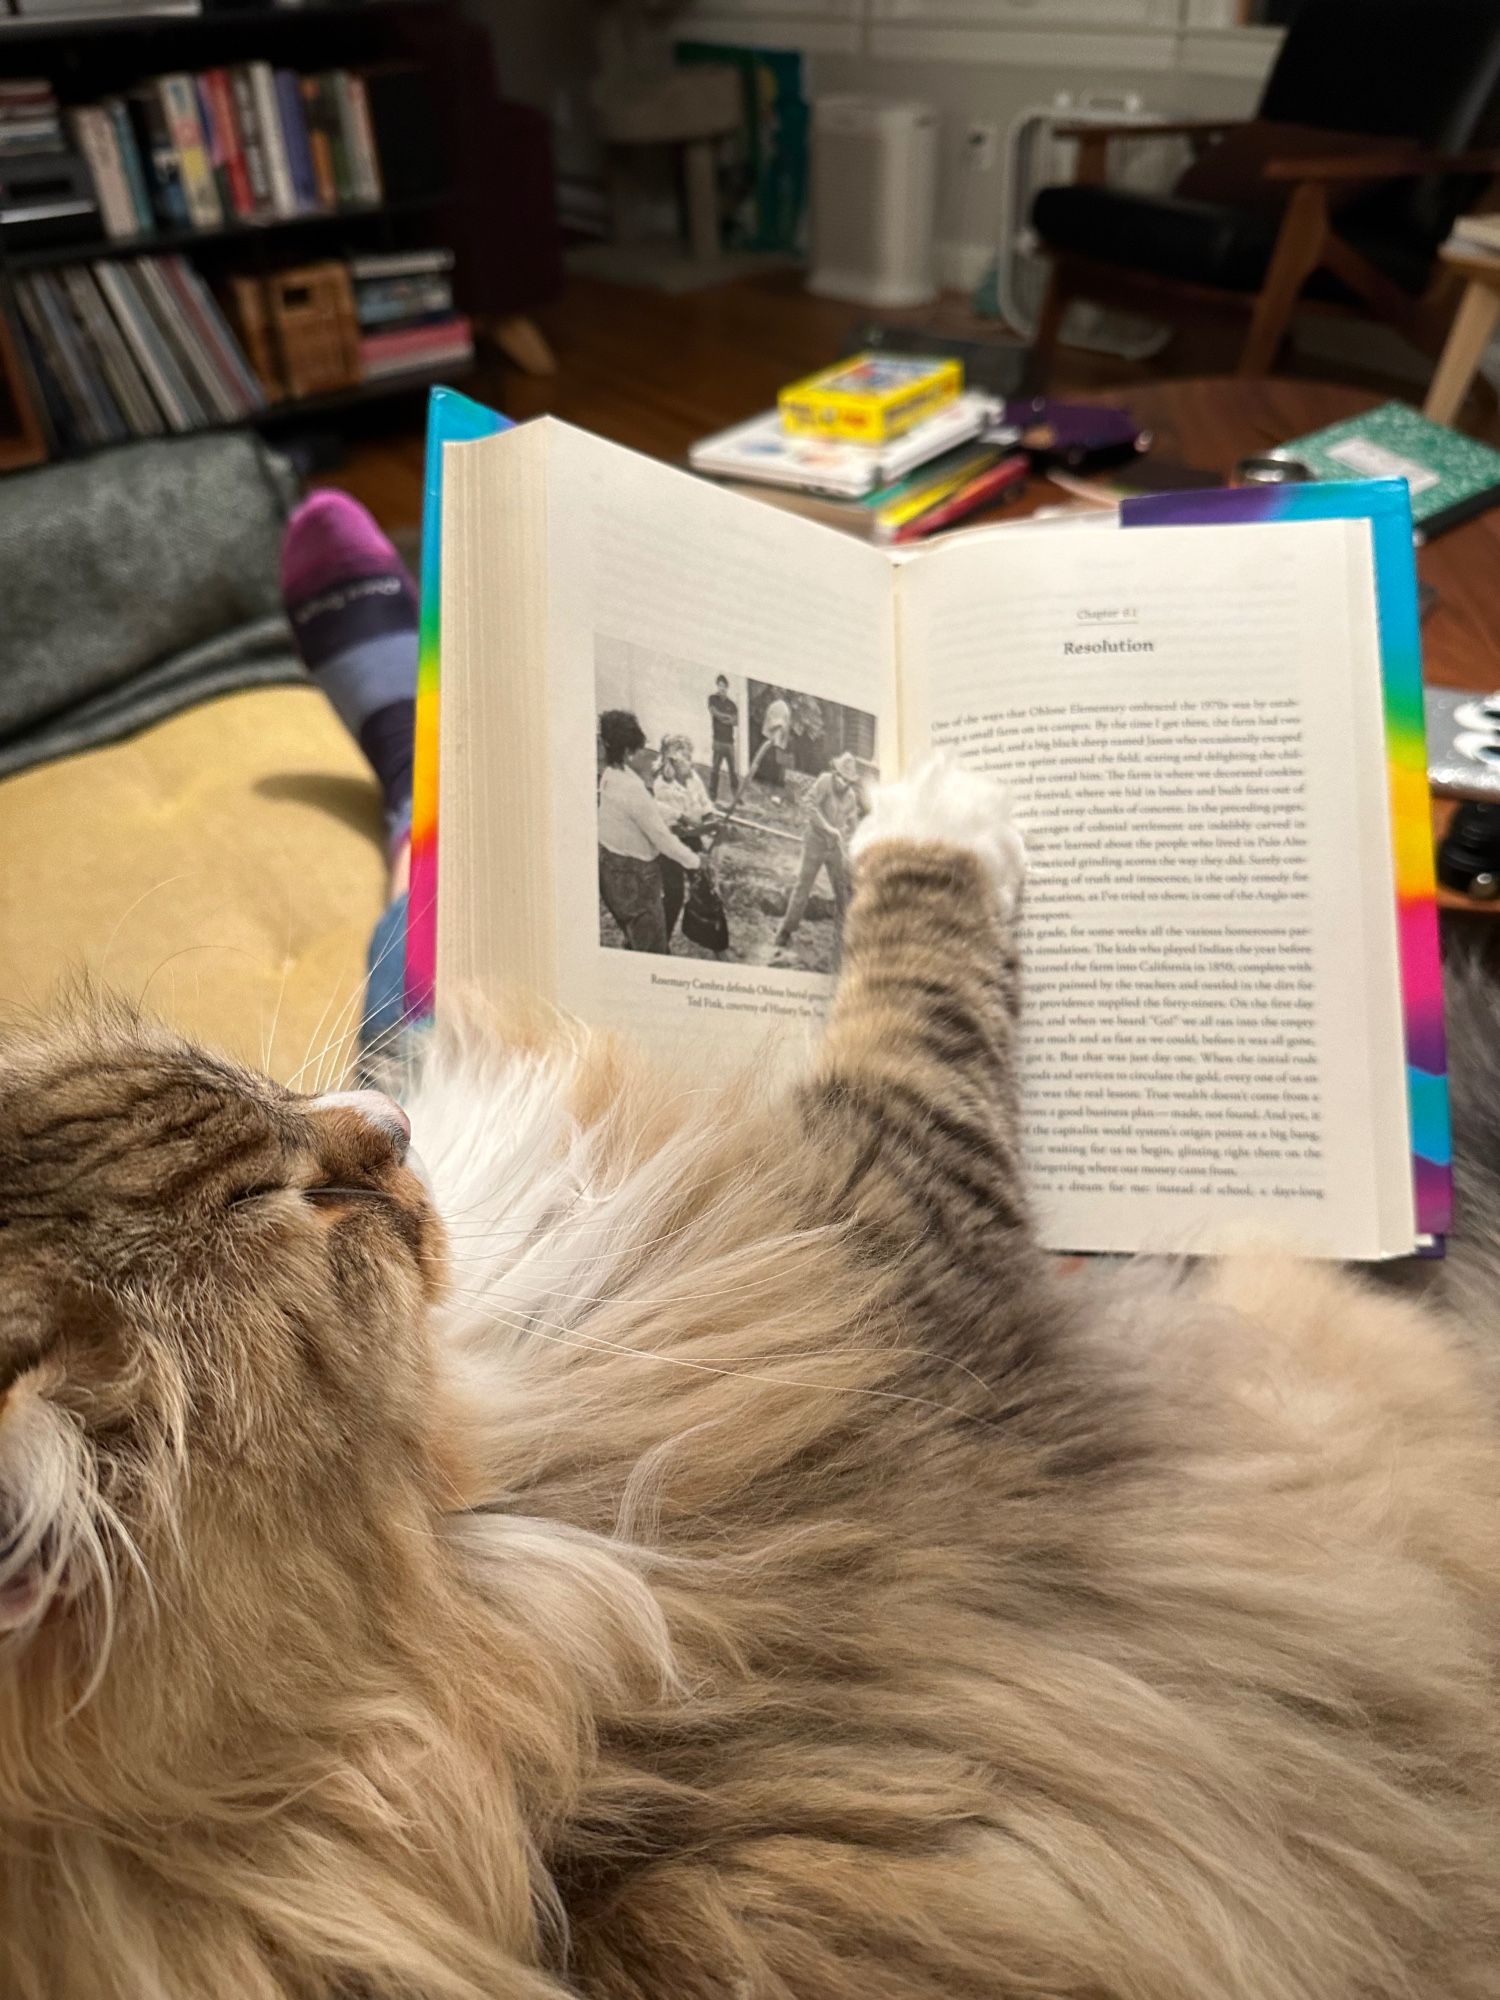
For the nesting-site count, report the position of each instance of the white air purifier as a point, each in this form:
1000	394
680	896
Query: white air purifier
874	201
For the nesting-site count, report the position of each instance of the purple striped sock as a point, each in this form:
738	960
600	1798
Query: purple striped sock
353	612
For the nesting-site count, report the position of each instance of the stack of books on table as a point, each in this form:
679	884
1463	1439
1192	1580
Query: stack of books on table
130	349
407	321
808	455
244	144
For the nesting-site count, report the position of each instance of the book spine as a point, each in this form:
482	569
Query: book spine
401	264
219	401
318	144
129	391
367	157
214	337
249	130
413	348
91	134
214	141
406	304
160	157
145	343
987	490
453	330
268	117
130	160
61	420
145	416
450	419
73	404
241	201
294	131
922	494
341	130
101	420
205	391
25	383
179	103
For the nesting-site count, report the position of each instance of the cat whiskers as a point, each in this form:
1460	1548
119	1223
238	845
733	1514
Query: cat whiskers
531	1326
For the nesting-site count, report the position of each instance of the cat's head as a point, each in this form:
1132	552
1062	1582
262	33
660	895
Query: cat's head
211	1289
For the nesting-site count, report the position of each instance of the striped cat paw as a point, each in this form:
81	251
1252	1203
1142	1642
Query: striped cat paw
942	801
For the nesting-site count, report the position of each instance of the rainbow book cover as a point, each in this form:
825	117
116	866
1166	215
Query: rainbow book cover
451	419
1386	505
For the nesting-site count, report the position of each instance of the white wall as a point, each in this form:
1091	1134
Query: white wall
978	61
986	61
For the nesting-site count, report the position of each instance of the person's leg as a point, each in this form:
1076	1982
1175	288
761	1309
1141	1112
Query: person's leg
647	929
673	892
838	878
807	874
385	988
837	865
723	758
353	612
632	895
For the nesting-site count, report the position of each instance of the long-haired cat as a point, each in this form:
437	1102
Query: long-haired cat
721	1559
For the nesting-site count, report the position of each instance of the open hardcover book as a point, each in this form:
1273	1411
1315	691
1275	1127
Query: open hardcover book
1212	733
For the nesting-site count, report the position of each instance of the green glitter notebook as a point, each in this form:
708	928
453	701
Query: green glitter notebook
1451	477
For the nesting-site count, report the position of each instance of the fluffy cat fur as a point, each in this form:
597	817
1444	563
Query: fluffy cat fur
724	1560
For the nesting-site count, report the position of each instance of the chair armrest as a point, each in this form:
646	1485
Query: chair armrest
1169	128
1093	140
1387	164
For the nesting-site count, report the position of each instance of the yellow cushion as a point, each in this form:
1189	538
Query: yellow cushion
224	868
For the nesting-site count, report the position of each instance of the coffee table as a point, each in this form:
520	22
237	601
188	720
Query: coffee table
1213	423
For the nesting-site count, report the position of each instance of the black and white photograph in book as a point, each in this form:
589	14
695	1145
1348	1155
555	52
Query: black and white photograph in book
726	809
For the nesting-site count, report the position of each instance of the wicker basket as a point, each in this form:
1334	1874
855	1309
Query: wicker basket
314	331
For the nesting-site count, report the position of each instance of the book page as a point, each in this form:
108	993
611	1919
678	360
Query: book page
756	652
1190	722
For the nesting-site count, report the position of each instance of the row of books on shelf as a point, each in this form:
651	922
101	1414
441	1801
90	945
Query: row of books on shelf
243	144
122	350
138	347
63	10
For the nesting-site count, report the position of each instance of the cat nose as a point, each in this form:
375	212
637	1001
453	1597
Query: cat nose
383	1112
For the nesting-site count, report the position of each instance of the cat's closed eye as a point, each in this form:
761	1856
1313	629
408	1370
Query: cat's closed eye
333	1197
325	1196
258	1192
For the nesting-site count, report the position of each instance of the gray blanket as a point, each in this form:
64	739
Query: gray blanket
135	584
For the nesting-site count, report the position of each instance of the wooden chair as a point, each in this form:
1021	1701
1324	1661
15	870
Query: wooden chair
1380	124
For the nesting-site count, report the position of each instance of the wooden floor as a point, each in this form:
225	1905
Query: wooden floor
655	372
647	370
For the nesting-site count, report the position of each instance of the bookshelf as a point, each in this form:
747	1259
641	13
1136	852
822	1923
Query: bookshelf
20	29
92	58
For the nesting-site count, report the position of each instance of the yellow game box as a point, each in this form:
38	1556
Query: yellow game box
870	398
